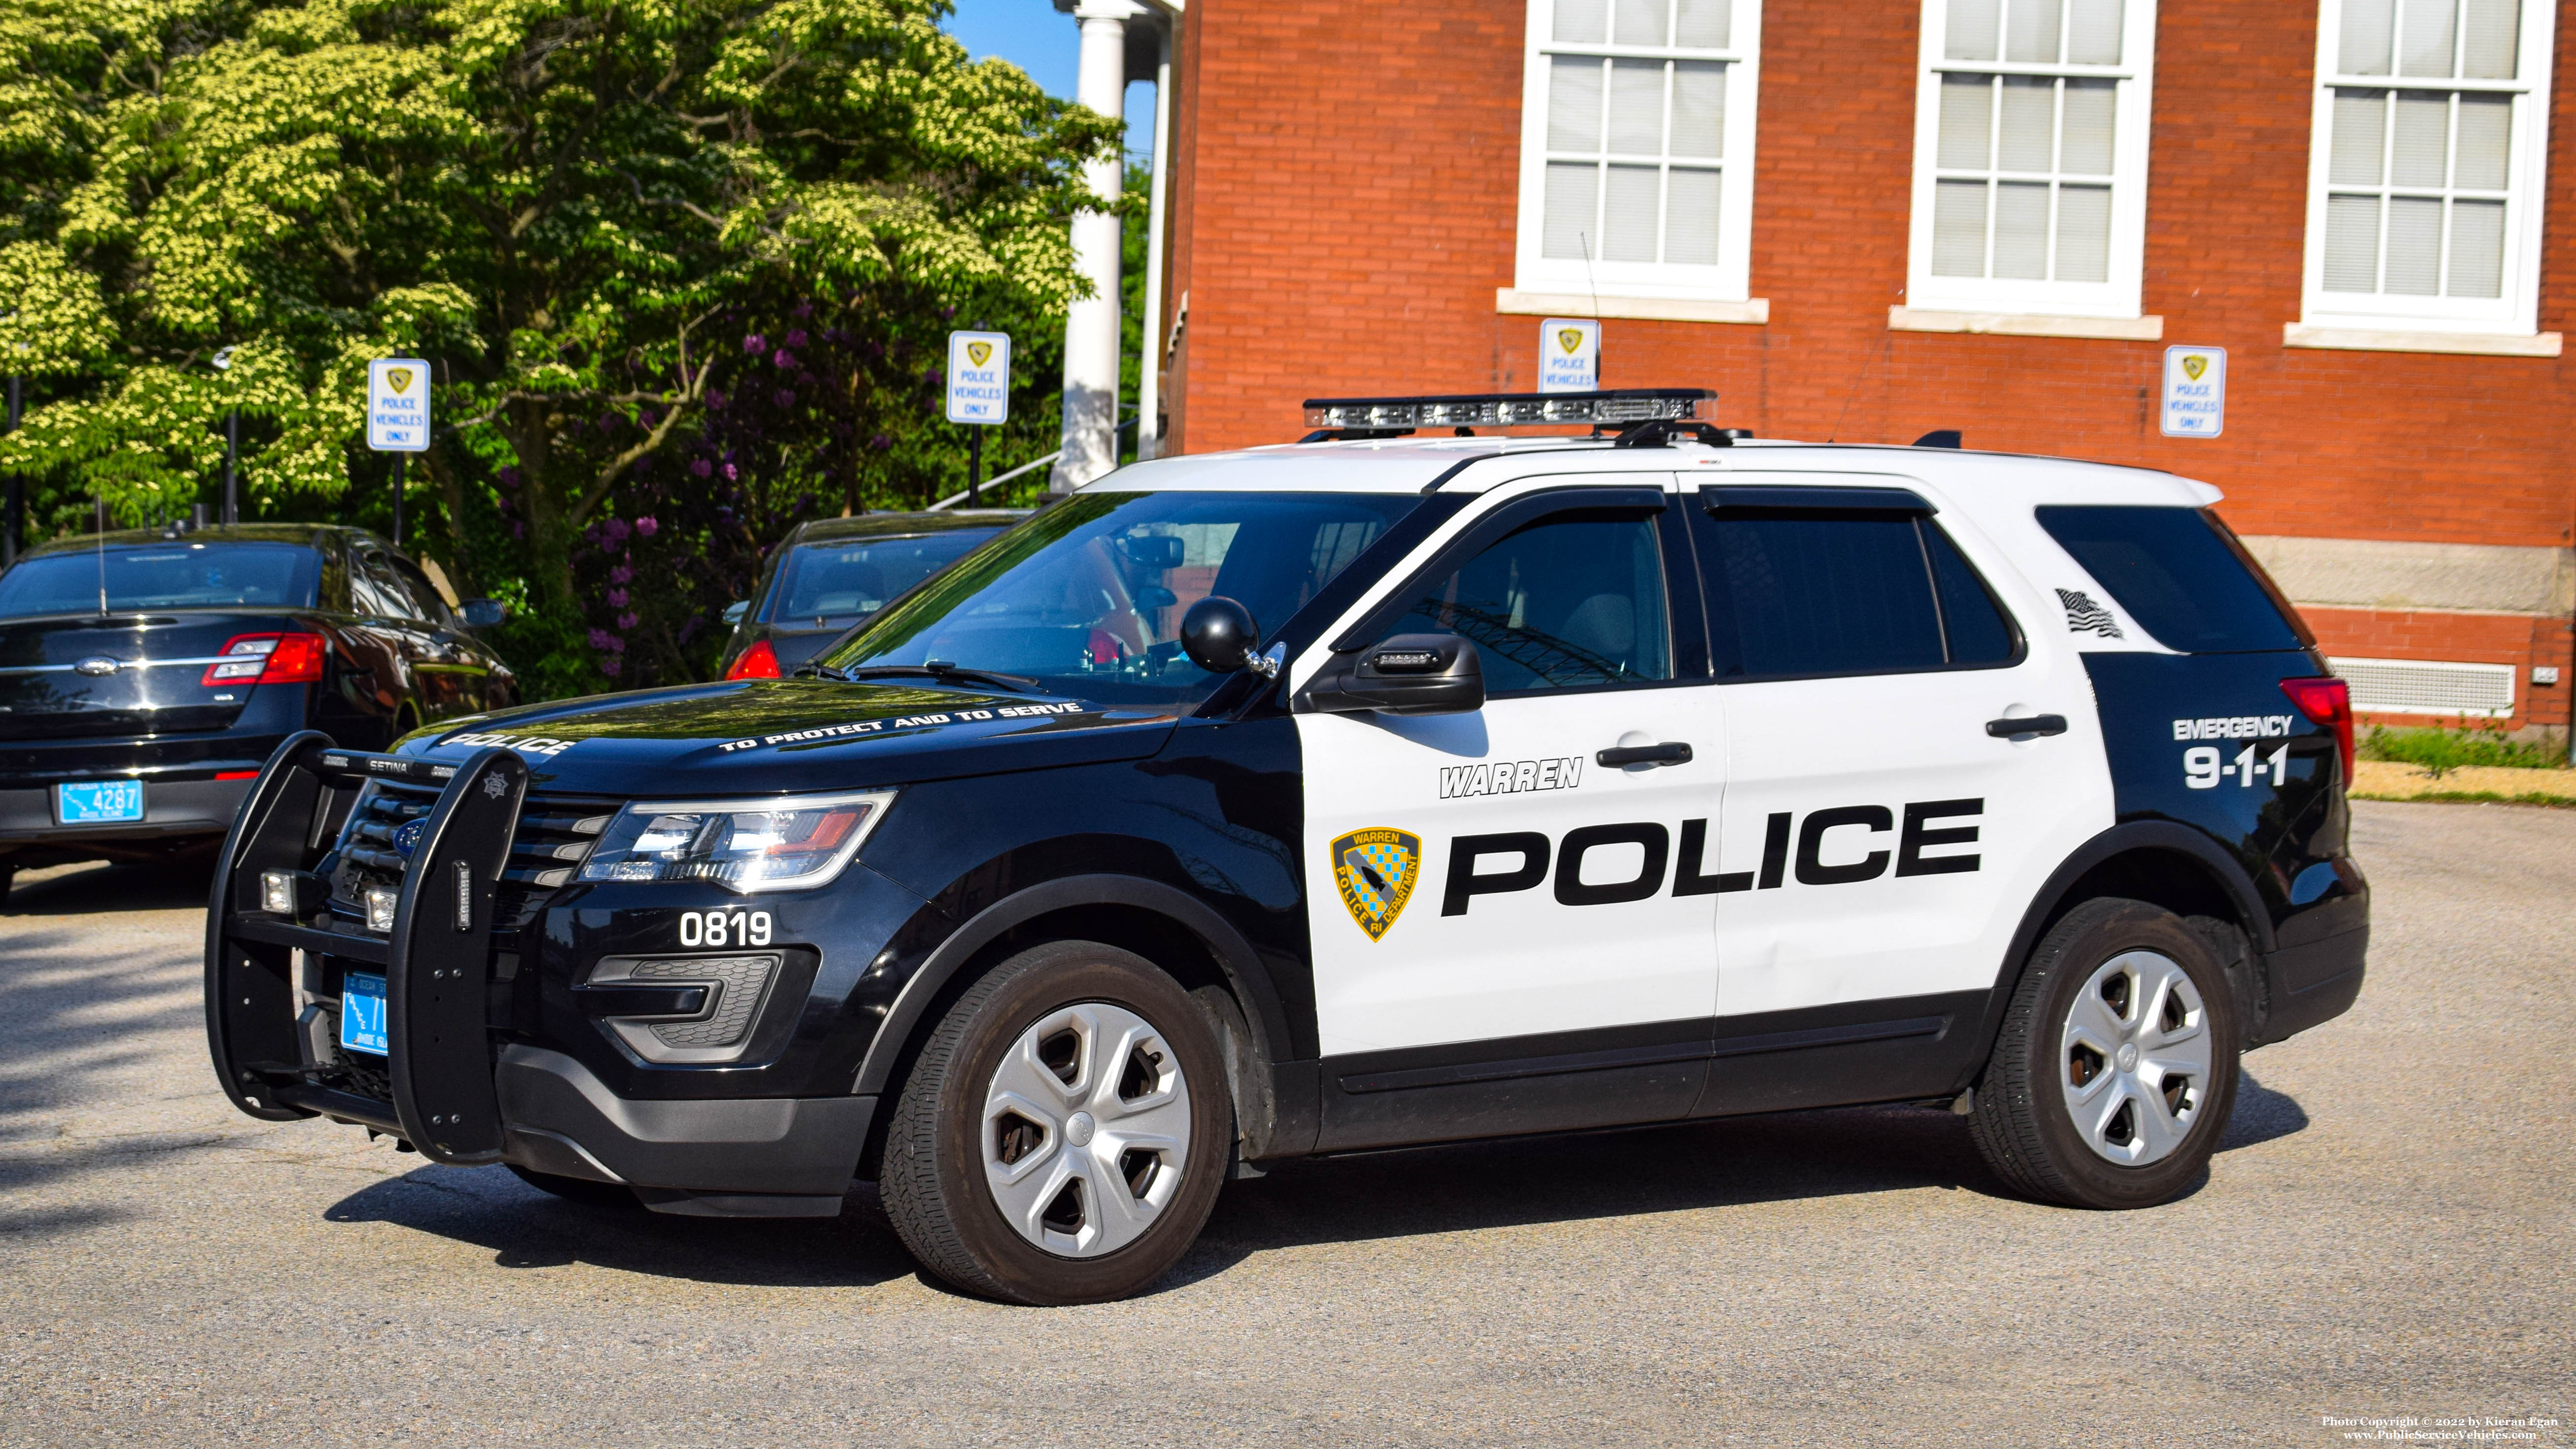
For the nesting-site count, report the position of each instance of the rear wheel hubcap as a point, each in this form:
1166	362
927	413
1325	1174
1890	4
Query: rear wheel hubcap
2134	1058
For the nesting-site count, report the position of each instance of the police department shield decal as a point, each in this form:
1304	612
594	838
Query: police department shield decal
1375	869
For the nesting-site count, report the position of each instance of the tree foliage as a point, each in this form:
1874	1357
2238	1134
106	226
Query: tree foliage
596	219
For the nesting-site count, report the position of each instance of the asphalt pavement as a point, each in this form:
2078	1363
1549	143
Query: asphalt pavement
2386	1235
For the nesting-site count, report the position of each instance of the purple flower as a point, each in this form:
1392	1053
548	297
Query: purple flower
613	533
933	377
783	358
785	397
796	338
620	574
627	621
881	441
701	467
731	473
600	639
648	525
617	597
509	477
755	344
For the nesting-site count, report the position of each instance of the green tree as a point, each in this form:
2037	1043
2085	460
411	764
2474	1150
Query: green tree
576	210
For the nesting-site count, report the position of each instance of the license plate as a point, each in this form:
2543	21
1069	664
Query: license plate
98	802
362	1013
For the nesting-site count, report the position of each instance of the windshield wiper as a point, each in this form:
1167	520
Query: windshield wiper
823	671
941	670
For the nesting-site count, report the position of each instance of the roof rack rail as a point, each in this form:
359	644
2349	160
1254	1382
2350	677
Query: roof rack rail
1507	409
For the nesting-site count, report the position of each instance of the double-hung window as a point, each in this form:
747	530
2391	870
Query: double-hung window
1637	148
2030	156
2426	172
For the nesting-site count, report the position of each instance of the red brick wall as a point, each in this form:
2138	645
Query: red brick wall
2519	640
1346	192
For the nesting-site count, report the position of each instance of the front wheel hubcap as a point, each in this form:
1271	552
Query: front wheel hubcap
2134	1058
1086	1130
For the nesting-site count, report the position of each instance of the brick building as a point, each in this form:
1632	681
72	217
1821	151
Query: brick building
1863	220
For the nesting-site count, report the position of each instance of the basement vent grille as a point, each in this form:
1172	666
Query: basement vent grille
2419	686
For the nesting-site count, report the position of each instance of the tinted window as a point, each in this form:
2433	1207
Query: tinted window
2177	572
424	594
835	583
1087	596
1561	604
175	575
390	600
1844	593
1972	623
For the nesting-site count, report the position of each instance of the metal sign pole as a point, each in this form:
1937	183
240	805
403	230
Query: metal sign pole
232	453
974	466
399	460
17	520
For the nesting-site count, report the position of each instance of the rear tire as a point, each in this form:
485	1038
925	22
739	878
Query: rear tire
2116	1068
1064	1134
576	1189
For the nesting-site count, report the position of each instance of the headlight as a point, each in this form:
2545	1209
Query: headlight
784	843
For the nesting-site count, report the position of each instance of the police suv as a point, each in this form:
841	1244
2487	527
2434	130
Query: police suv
1402	786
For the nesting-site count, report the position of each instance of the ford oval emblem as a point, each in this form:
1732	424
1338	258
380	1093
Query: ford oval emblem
407	838
95	665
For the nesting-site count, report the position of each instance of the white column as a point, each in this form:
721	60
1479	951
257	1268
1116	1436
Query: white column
1149	365
1091	325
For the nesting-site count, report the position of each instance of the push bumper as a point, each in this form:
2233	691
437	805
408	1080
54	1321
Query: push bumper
756	1156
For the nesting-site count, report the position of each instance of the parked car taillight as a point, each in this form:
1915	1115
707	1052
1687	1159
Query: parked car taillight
269	659
757	662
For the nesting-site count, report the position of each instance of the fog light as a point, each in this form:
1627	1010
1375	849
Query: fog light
380	907
277	892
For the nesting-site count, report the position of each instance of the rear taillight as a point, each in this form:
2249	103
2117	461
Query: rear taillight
269	659
757	662
2328	701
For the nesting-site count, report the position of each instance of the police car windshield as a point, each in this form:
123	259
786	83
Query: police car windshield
1086	598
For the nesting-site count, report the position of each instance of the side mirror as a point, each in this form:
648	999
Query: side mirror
734	612
483	613
1219	634
1404	674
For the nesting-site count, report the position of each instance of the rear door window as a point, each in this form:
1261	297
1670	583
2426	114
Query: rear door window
1796	592
2179	573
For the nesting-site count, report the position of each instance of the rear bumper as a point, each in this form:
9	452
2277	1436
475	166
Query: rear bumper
170	808
760	1156
2312	983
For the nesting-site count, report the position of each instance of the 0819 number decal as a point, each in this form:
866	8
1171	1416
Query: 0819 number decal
724	928
2204	766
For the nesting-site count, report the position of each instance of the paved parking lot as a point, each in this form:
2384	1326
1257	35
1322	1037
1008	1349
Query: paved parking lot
2387	1233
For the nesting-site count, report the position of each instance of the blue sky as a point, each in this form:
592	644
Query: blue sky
1031	35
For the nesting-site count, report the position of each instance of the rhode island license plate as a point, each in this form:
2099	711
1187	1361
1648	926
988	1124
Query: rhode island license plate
98	802
362	1013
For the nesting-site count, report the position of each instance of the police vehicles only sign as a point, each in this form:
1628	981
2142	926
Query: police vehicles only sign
1569	354
2195	392
398	405
979	377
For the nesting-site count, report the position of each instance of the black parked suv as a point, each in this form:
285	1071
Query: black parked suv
146	674
1343	797
831	574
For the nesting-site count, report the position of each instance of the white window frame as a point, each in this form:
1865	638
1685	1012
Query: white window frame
2117	296
1728	280
2516	311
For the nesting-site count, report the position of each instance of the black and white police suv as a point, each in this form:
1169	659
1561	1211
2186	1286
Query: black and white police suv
1379	790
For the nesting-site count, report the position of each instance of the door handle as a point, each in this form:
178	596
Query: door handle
1619	756
2037	724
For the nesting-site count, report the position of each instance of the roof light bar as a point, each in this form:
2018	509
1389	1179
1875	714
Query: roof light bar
1506	409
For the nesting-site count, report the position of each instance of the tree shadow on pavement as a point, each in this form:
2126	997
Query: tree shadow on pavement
526	1228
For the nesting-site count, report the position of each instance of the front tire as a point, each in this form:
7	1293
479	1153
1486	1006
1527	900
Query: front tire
2116	1068
1064	1134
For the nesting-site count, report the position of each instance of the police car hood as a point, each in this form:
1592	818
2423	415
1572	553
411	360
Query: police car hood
766	737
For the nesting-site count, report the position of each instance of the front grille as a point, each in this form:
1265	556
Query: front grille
555	833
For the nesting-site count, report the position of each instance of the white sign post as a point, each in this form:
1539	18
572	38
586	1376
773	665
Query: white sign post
2195	392
398	417
1569	354
979	395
